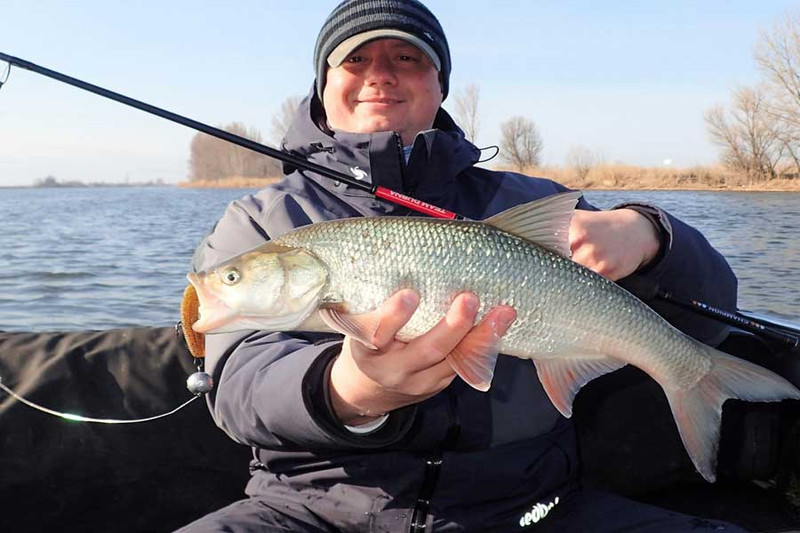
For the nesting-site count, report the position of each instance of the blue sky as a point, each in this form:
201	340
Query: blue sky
629	80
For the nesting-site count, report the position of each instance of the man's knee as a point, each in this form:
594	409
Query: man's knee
252	515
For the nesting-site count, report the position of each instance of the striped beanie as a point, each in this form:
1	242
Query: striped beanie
356	22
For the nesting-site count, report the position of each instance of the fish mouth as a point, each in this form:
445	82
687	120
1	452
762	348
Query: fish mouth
213	312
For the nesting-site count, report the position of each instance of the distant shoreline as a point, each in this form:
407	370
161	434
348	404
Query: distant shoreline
778	185
793	187
619	183
52	183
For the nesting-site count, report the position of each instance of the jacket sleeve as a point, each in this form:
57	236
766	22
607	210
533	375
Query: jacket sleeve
271	389
689	267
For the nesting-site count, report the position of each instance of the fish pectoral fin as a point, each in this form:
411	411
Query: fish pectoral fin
544	222
698	410
361	327
474	359
563	377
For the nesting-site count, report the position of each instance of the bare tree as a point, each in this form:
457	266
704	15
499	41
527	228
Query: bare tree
284	117
581	160
213	159
777	56
788	137
520	143
748	135
467	101
206	154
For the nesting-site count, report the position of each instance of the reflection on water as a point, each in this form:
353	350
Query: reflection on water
101	258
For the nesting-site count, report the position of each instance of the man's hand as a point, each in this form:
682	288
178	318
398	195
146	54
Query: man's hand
613	243
367	383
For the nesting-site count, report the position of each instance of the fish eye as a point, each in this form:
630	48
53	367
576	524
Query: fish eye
231	276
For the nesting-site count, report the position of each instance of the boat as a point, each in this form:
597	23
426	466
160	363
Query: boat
159	475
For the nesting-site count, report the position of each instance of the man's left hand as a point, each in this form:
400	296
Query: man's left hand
613	243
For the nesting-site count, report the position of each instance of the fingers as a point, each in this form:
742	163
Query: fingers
602	241
586	250
398	373
482	341
456	328
592	258
434	345
479	343
475	356
496	322
431	380
394	313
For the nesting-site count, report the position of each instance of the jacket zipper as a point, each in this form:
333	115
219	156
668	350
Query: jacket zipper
419	518
433	466
401	159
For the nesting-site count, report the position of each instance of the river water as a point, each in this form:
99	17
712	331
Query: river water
97	258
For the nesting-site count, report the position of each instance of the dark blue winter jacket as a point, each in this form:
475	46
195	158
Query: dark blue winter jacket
463	456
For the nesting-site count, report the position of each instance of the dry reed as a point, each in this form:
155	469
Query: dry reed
618	176
231	182
648	178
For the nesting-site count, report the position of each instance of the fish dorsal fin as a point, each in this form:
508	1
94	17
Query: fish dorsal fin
544	222
562	378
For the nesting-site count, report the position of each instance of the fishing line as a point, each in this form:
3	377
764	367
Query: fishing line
79	418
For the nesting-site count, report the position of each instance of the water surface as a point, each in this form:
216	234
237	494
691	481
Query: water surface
95	258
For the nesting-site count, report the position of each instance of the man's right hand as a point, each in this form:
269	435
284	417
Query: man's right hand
366	383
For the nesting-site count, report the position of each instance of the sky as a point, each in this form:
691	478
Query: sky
628	80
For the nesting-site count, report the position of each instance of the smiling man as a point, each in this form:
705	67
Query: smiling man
351	438
383	85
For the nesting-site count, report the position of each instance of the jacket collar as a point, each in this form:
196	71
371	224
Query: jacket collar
438	156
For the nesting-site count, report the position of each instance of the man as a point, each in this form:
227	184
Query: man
355	439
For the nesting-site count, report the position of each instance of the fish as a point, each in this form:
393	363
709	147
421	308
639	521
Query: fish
572	323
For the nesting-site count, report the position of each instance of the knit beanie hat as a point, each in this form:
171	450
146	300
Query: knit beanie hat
356	22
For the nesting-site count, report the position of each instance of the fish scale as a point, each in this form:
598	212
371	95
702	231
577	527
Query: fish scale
371	258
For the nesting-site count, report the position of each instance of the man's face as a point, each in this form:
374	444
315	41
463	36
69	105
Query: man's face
384	85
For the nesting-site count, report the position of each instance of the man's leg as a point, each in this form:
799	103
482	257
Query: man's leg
601	512
256	516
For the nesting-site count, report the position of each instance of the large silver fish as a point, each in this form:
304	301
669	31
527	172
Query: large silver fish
574	324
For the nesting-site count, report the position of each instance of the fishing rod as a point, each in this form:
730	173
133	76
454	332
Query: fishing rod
287	157
644	289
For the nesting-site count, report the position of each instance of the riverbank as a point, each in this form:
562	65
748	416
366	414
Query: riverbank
599	177
629	177
232	182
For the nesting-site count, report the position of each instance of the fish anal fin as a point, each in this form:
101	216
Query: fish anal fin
544	221
361	327
475	357
563	377
698	410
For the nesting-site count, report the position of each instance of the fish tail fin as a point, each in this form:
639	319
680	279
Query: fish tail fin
698	411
